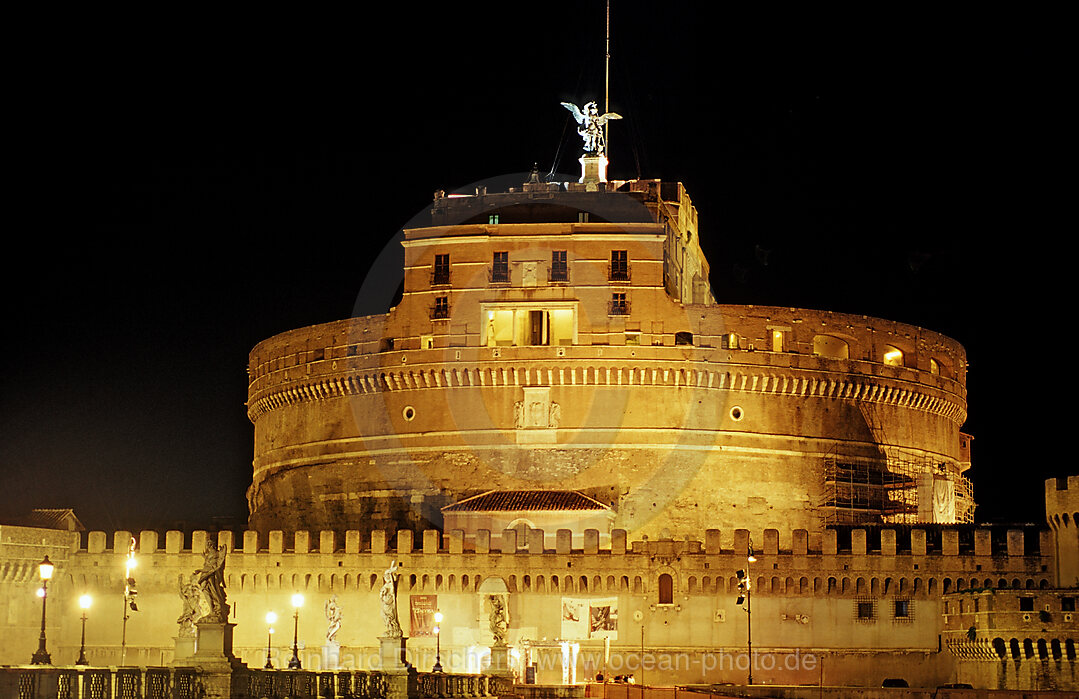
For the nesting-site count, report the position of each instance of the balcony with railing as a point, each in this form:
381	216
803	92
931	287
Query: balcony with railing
498	275
618	272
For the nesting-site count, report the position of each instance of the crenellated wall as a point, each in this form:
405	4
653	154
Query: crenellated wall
806	587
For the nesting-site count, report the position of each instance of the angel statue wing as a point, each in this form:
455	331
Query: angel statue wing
577	114
609	115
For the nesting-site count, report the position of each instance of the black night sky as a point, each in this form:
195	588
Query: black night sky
193	185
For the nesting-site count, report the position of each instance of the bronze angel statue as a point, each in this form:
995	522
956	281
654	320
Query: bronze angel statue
590	125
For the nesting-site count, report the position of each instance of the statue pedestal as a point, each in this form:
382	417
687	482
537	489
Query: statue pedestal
183	650
214	643
392	653
593	169
331	655
500	659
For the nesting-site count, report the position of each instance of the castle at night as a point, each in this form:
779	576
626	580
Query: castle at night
559	419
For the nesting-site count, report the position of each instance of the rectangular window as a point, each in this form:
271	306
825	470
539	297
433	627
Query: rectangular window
777	340
500	268
902	609
492	219
1067	604
729	341
619	305
441	272
442	307
619	266
559	268
1026	604
865	611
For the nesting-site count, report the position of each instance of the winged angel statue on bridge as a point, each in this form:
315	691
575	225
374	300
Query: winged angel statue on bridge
590	125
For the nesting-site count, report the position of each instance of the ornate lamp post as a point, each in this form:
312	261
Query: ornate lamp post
438	639
745	595
44	569
84	603
294	662
271	619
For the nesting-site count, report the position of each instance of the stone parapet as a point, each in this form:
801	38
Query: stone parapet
931	560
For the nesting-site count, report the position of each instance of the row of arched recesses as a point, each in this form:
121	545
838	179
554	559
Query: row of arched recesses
832	347
1064	520
344	582
636	584
1028	649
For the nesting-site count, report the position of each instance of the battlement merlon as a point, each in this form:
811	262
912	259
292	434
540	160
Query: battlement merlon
933	540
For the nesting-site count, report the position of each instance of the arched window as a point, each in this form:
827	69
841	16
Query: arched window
892	356
666	589
830	347
934	367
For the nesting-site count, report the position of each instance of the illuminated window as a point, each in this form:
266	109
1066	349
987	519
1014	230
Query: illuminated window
492	219
442	307
559	268
633	338
778	338
441	272
619	271
934	367
830	347
500	267
427	341
893	356
729	341
530	325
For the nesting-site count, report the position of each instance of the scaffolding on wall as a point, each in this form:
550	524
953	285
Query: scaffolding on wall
899	486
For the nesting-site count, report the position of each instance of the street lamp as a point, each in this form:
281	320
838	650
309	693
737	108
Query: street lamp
294	662
130	593
271	619
745	595
44	569
84	603
438	646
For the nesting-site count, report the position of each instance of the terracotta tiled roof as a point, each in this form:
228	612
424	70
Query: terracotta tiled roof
60	518
519	500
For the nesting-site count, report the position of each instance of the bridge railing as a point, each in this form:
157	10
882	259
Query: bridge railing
76	682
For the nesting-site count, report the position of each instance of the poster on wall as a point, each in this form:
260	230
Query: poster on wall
585	618
422	614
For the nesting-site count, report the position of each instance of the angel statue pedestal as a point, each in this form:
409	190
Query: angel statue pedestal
331	655
392	653
500	659
593	169
183	650
214	643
